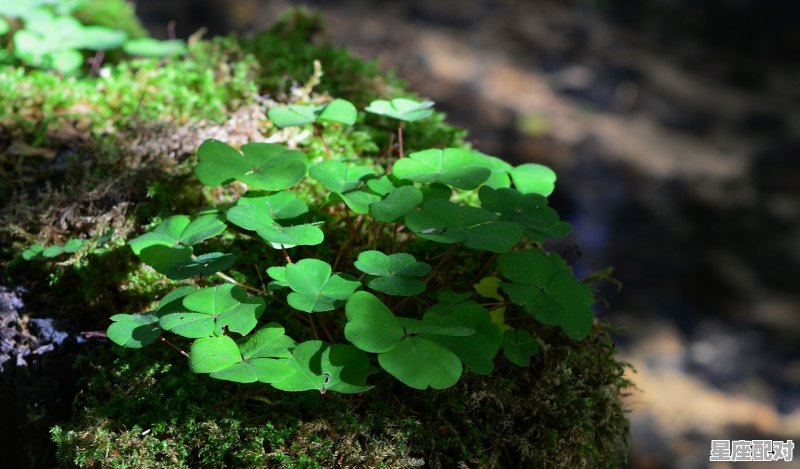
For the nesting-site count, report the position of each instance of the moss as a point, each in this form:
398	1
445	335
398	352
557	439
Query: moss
562	411
213	80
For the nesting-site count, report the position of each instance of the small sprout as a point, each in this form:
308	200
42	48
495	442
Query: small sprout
402	109
338	111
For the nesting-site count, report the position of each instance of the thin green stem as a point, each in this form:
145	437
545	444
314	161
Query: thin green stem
173	346
318	130
240	284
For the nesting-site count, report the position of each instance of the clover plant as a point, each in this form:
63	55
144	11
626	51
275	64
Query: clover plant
372	263
52	38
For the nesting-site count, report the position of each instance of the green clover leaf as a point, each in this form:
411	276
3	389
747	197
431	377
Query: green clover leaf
339	111
292	115
452	166
279	206
203	265
445	222
255	214
534	178
543	284
337	176
210	354
402	109
149	47
476	351
371	326
394	274
314	288
134	330
169	245
414	360
519	346
396	204
527	210
262	356
210	311
358	200
420	363
316	365
265	166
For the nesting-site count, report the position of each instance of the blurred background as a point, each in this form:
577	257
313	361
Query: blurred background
674	126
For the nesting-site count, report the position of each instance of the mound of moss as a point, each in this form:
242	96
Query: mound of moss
149	410
104	158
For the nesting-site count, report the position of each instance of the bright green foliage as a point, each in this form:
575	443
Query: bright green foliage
534	178
134	330
213	354
212	311
401	109
413	359
149	47
37	251
51	41
346	183
320	366
519	346
545	286
260	214
476	351
261	357
451	166
52	38
530	211
371	326
337	176
168	248
264	166
396	204
338	111
395	274
313	286
288	202
446	222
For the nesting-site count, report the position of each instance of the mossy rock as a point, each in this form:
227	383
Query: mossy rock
148	410
132	134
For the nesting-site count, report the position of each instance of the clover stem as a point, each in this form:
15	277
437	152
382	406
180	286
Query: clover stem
286	255
313	327
318	130
325	330
304	318
483	269
171	345
240	284
349	222
97	61
400	139
445	258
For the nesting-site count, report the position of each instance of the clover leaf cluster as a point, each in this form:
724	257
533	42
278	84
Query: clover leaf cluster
364	252
48	36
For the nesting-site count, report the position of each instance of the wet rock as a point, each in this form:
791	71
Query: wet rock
37	385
